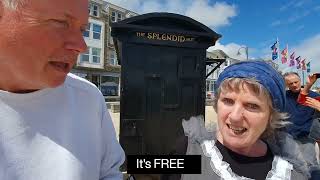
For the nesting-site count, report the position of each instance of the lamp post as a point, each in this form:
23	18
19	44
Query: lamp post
246	49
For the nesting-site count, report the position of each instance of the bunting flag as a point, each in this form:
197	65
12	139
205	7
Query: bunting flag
284	54
298	59
274	49
308	67
292	59
303	65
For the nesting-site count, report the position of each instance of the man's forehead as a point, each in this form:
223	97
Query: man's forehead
292	77
78	10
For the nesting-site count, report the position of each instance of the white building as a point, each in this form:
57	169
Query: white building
99	63
220	61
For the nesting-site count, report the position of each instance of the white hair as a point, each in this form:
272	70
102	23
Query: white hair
13	4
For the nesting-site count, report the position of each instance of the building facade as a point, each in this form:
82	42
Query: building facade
211	79
99	63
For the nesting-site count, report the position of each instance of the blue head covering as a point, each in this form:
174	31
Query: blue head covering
265	74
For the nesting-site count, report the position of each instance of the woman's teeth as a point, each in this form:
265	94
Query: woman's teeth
237	130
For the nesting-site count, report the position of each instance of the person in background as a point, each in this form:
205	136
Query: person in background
315	104
302	117
315	127
246	143
53	125
305	91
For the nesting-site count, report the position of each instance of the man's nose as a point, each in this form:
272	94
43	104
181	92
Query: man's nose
76	42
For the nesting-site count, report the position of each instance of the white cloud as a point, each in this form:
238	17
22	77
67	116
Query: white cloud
309	49
231	50
152	6
132	5
299	28
287	5
293	4
301	3
298	16
276	23
214	15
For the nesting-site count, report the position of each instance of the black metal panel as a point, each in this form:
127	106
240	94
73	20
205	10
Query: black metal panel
163	58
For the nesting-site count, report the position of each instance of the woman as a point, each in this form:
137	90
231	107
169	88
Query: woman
249	101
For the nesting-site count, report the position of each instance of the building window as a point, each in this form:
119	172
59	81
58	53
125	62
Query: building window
208	85
210	88
96	55
93	31
217	73
93	9
225	63
85	56
113	58
92	55
116	16
119	17
86	33
96	31
109	85
113	16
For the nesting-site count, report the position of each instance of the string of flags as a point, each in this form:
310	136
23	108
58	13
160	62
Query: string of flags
293	61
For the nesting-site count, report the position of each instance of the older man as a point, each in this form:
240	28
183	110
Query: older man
53	125
301	117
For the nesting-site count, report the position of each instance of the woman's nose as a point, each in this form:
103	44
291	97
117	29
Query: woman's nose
236	113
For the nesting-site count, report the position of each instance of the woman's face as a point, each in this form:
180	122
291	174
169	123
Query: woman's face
242	118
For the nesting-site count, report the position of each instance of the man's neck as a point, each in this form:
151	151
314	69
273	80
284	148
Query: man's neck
5	85
294	92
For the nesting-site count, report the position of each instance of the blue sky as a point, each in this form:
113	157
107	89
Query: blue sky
252	23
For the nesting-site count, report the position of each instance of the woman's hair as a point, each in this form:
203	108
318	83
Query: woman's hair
277	119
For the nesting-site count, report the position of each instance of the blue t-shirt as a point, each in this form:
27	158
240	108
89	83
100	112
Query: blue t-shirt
300	116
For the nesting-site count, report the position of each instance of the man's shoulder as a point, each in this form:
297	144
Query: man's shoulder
81	84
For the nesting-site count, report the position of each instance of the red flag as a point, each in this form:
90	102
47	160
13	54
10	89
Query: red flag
303	63
292	63
284	54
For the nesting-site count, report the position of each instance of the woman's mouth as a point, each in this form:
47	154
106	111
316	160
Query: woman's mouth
237	130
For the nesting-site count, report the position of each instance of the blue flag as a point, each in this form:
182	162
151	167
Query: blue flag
274	49
308	67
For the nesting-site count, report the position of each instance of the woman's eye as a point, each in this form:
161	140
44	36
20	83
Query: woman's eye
227	101
252	106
